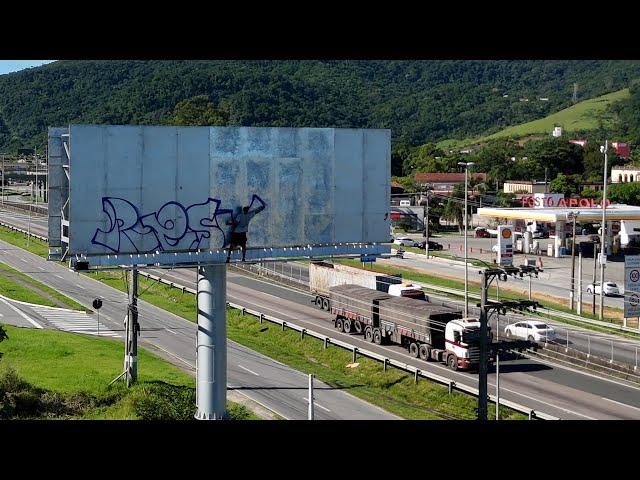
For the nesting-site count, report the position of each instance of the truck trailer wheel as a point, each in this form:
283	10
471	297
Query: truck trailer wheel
377	337
346	325
414	349
339	325
357	325
325	304
368	334
425	352
452	362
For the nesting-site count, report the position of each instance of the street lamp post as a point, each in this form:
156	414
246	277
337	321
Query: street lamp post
466	267
604	228
426	228
573	216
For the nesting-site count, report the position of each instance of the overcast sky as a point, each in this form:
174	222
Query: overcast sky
8	66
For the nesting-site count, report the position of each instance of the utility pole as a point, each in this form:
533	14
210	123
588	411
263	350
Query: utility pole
573	215
35	155
593	283
3	179
466	266
482	368
487	306
426	228
579	305
604	229
133	330
310	416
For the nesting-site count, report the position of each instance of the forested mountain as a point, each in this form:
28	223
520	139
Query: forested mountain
420	101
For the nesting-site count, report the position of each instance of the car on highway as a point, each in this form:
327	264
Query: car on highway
432	245
531	330
610	288
482	233
406	242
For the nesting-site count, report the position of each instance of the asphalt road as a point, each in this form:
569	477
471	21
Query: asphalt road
266	381
559	391
581	339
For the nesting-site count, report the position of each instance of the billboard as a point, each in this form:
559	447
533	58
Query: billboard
160	190
505	245
631	286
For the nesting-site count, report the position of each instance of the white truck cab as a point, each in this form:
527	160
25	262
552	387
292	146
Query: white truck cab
407	290
462	339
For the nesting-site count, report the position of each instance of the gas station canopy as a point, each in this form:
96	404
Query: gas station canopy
614	212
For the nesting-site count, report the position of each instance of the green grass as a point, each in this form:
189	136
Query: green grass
19	286
585	115
20	240
71	364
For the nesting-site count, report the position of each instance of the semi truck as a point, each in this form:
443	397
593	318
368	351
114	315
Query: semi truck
427	331
324	275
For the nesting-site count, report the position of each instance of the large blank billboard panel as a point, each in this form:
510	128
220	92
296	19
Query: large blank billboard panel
139	189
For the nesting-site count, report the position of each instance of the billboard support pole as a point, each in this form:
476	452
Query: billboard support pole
211	366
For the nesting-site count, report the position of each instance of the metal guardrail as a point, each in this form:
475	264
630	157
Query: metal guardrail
416	371
21	230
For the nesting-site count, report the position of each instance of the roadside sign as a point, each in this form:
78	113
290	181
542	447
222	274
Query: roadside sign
367	258
505	245
632	286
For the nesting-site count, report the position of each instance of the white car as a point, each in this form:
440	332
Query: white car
406	242
610	288
530	330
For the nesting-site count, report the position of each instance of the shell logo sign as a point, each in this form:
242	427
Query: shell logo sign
505	245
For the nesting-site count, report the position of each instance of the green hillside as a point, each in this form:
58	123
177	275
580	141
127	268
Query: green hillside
583	116
419	100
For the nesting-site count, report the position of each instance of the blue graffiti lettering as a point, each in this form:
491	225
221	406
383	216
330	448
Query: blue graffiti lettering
172	227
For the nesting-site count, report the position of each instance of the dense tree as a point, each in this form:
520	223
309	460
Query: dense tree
627	193
197	111
566	184
419	101
454	207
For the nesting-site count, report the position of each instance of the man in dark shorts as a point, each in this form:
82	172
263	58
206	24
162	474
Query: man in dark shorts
240	227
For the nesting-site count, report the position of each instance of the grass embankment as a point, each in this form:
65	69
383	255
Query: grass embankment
585	115
64	375
19	286
18	239
393	390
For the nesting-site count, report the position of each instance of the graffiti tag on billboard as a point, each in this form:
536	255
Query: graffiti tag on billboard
172	227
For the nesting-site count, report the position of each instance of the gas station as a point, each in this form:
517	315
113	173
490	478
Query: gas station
553	209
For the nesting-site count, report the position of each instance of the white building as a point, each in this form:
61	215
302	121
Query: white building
624	174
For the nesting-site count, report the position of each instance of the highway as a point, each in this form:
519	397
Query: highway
581	339
559	391
277	387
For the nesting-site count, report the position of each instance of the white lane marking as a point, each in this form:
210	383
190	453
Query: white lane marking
172	354
550	404
235	389
79	286
23	260
40	267
250	371
22	314
169	330
316	404
620	403
61	278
